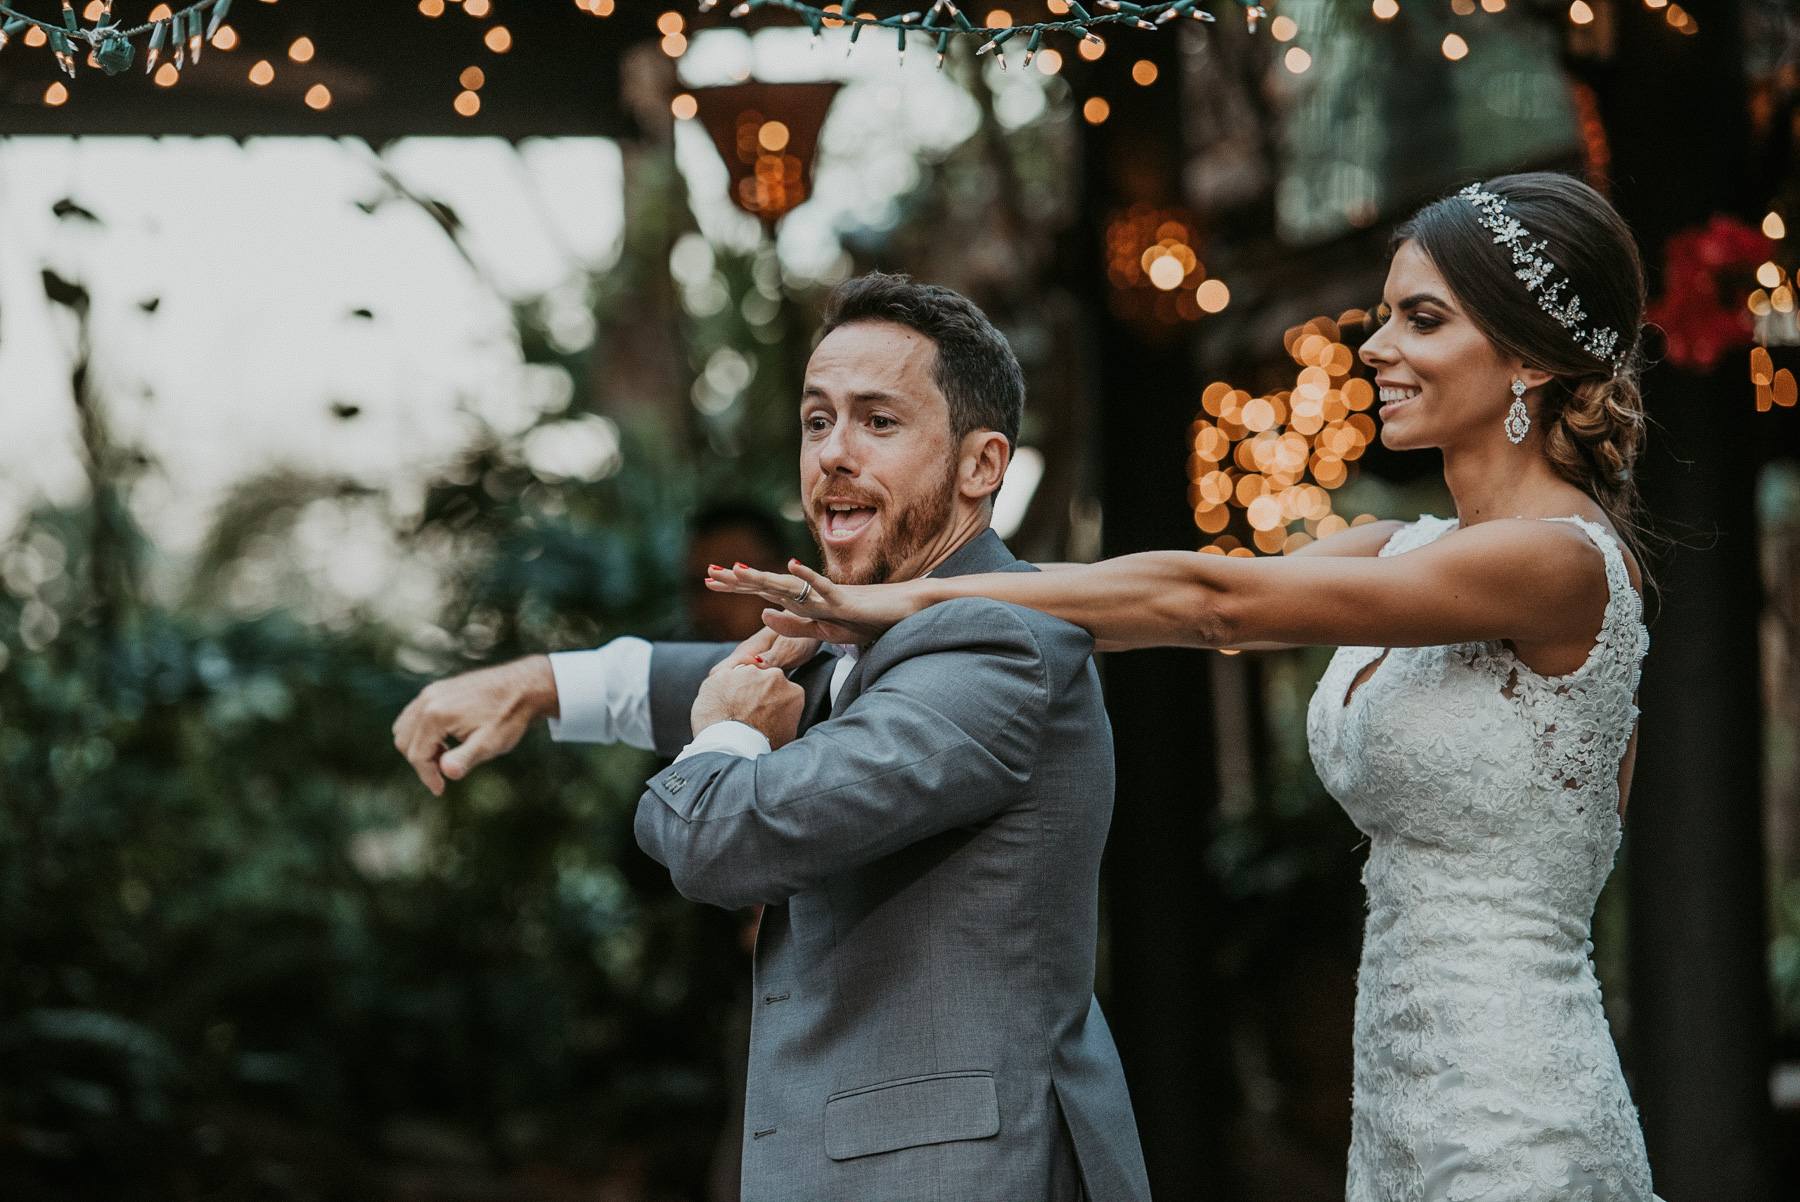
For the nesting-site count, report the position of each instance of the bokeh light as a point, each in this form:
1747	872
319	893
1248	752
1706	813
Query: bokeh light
1275	458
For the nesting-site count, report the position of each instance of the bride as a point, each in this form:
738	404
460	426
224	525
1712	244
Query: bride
1478	720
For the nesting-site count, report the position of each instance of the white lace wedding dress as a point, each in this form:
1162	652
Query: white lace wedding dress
1484	1066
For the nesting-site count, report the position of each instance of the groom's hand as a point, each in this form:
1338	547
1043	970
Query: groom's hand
761	697
487	712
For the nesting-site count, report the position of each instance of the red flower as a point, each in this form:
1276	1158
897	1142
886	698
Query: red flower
1707	275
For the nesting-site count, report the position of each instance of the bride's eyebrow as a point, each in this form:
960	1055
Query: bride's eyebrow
1425	298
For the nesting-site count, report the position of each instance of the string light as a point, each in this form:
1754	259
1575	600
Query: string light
1095	110
685	107
945	19
318	97
498	39
1454	47
262	74
1296	60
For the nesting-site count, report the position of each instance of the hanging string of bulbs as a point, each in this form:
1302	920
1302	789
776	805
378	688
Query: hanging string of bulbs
110	46
946	20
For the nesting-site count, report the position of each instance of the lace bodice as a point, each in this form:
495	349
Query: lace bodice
1484	1066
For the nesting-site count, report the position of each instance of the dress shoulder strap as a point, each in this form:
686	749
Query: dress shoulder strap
1622	627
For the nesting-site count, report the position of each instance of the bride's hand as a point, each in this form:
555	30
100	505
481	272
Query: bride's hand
767	649
836	613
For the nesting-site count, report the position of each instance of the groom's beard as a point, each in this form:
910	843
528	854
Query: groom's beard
902	538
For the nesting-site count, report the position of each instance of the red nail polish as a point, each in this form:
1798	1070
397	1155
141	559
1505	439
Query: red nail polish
741	565
759	659
713	567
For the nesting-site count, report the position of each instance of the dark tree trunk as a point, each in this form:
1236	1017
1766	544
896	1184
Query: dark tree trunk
1674	108
1165	1003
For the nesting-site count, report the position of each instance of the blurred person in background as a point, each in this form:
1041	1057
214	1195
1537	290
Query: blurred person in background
730	532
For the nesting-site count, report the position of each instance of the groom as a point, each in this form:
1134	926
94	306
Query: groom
922	817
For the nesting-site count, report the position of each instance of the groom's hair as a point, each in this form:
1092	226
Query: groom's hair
976	369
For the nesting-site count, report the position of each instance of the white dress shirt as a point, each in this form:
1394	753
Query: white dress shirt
604	697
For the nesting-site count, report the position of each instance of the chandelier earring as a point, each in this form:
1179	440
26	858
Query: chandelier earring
1518	421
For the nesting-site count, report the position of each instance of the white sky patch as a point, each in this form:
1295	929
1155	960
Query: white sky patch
1023	475
259	259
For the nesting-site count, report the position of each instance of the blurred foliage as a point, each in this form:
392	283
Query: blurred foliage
243	953
1778	505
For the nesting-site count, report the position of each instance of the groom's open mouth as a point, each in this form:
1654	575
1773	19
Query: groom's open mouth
844	520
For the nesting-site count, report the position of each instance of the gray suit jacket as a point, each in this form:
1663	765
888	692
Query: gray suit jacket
929	856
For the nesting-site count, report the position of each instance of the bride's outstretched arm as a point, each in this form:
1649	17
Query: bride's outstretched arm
1534	581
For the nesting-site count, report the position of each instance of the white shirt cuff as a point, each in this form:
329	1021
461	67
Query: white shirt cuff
604	695
733	738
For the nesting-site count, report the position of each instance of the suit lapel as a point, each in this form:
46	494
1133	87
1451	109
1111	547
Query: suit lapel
983	553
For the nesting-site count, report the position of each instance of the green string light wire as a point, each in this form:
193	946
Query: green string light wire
112	45
1081	22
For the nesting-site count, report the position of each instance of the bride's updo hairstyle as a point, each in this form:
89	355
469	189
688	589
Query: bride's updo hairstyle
1592	414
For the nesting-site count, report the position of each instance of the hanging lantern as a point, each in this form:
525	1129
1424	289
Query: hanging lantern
767	134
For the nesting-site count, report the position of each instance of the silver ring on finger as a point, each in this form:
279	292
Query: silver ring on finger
805	592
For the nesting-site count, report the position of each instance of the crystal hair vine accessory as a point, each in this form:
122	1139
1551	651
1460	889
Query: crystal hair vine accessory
1535	270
